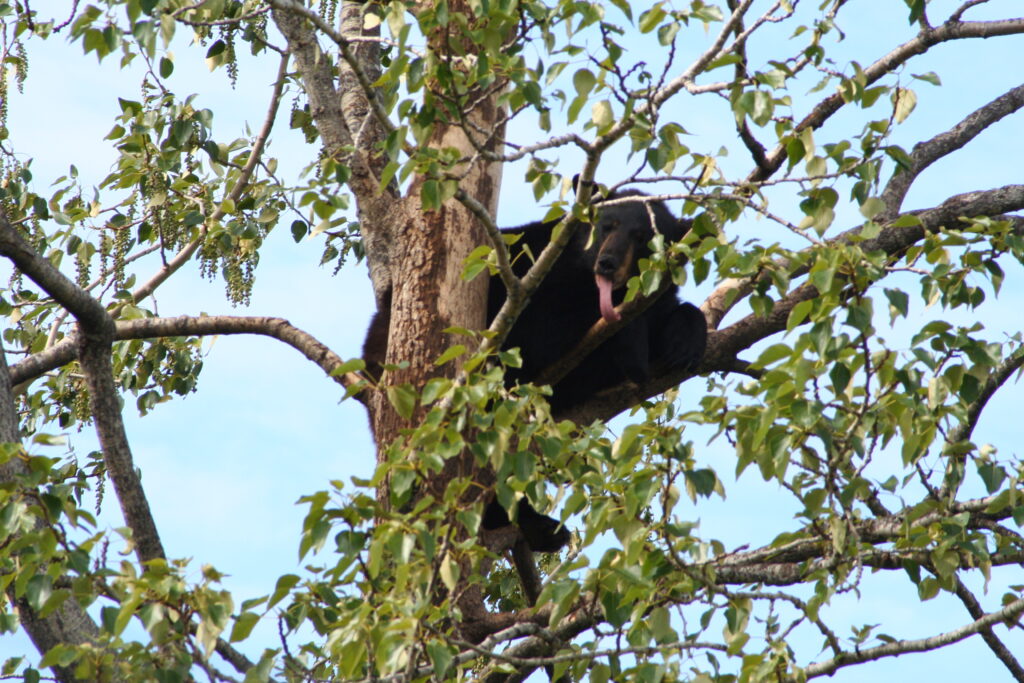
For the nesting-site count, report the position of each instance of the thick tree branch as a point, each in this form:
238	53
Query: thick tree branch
925	153
928	152
987	633
582	619
94	339
724	345
794	562
817	557
343	118
317	72
94	351
92	346
302	40
901	647
924	41
152	328
360	104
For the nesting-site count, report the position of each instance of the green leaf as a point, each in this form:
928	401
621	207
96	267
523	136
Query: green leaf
762	109
993	475
430	195
930	77
899	303
840	375
353	365
903	101
624	7
38	591
243	626
435	387
523	465
449	572
124	614
798	314
563	594
871	207
284	586
900	156
616	611
667	33
602	115
450	353
773	353
260	673
441	657
650	19
58	655
584	81
403	398
216	49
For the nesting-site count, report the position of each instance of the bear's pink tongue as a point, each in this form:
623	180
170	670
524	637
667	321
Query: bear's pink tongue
604	297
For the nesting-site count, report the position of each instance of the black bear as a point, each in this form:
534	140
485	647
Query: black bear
586	283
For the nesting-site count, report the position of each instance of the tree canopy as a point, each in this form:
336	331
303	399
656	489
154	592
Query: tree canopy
847	439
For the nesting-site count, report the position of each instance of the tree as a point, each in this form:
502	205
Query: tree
414	110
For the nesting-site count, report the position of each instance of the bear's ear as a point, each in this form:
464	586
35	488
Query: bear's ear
680	226
685	226
594	189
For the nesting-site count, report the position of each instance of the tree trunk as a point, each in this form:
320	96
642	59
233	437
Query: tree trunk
415	257
68	624
428	292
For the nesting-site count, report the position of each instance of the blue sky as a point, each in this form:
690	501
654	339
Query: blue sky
224	467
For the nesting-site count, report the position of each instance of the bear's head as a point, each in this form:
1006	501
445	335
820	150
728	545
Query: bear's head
620	237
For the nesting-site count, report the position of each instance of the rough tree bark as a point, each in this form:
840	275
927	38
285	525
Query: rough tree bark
68	624
415	257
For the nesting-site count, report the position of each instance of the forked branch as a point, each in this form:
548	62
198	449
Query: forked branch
924	41
93	341
928	152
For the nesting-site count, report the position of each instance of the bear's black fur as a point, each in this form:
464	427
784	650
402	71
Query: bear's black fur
668	335
585	284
